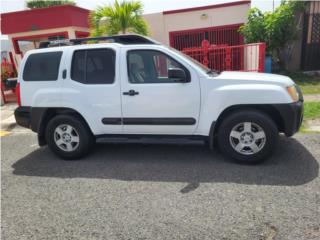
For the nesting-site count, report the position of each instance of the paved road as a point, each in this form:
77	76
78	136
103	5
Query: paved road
159	192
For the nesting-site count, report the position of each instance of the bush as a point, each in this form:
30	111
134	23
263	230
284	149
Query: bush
32	4
276	28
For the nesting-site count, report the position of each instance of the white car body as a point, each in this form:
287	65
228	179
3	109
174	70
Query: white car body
204	98
148	90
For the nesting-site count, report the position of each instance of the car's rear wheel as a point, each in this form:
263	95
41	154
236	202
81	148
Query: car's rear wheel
68	137
248	136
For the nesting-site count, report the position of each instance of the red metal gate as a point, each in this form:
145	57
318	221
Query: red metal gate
228	35
248	57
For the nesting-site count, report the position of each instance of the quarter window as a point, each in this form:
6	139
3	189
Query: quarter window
42	67
96	66
150	66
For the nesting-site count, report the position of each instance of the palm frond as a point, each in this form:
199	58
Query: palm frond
124	16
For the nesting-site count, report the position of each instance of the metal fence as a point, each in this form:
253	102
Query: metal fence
310	59
247	57
228	34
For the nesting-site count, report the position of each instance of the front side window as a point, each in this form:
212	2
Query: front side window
42	67
150	66
94	66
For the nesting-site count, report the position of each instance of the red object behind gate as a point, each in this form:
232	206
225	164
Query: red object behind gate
8	70
247	57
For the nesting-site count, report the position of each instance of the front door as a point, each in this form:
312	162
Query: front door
154	103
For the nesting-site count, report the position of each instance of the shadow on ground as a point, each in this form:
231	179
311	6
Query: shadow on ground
291	165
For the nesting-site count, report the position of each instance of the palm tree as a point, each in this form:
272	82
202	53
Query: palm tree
122	17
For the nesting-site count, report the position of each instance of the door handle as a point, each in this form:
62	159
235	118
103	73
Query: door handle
131	93
64	74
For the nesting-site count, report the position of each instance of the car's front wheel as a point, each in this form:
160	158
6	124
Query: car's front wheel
248	136
68	137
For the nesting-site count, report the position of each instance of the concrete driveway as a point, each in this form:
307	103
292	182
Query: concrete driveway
159	192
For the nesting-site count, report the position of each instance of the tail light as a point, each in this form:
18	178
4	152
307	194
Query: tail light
18	94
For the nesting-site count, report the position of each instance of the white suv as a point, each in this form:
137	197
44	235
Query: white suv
133	89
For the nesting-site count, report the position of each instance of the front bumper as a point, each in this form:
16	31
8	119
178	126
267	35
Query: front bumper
292	116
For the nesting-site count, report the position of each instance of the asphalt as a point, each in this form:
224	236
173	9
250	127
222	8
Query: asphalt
159	192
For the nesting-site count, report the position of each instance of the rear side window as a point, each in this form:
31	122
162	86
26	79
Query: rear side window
96	66
42	67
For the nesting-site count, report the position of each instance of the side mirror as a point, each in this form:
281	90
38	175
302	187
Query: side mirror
177	74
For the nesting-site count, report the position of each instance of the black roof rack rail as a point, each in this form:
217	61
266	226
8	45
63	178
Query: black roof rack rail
121	39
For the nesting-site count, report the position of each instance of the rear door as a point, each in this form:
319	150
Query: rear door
160	104
92	87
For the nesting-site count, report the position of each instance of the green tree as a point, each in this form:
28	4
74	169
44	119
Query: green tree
32	4
276	28
123	17
254	30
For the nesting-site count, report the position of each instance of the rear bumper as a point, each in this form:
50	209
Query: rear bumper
30	118
23	116
292	115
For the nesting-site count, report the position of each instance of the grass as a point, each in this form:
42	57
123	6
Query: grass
311	110
308	84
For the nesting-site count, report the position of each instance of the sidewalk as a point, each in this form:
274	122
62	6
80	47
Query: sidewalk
7	116
312	125
312	97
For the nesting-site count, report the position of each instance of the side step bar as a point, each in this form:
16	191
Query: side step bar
152	139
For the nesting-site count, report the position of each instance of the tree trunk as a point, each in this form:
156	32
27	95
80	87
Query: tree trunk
280	58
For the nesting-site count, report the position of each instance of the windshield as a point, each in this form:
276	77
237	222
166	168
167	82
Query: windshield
202	67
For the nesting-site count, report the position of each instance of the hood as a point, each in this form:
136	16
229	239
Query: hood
258	77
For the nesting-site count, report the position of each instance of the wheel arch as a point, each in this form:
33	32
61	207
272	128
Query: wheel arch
41	116
267	109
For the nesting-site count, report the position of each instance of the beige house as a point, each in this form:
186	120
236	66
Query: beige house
181	29
188	27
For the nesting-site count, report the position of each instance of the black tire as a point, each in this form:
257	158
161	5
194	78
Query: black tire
86	139
256	118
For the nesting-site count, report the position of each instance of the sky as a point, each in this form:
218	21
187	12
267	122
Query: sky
150	6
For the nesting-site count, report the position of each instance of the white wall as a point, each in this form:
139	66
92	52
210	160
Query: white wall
156	26
5	47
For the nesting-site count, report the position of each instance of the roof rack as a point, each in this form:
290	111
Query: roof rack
122	39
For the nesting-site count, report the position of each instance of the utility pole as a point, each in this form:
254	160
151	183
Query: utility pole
272	5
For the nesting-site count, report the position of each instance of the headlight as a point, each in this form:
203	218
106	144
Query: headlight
293	93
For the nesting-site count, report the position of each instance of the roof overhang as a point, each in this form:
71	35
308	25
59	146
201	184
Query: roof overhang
44	18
